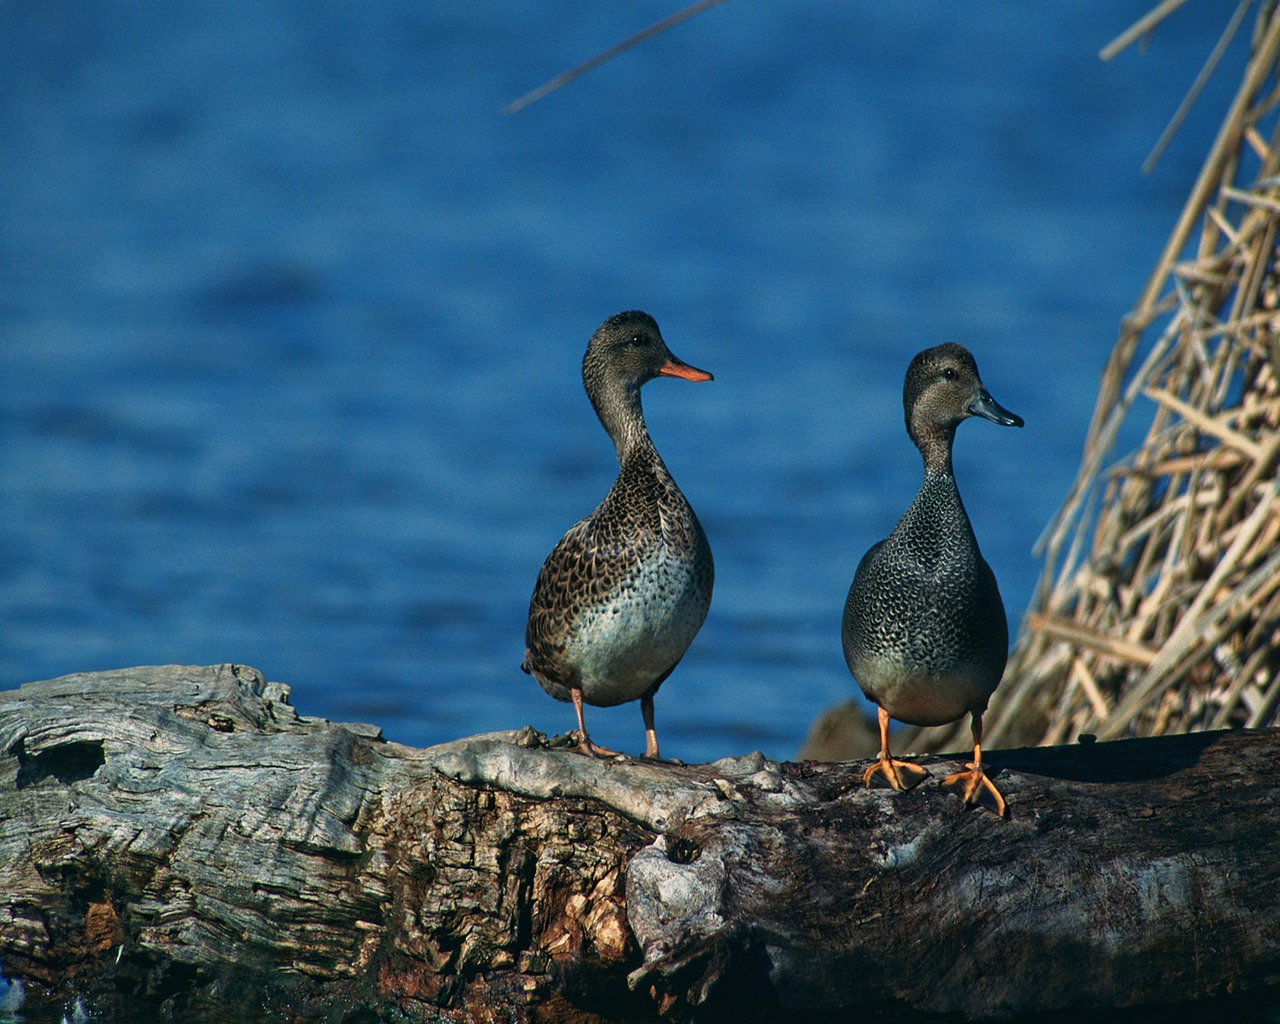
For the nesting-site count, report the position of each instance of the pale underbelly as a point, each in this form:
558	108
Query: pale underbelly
624	645
927	699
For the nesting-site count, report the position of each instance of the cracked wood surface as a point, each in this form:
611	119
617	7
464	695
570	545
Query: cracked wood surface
180	837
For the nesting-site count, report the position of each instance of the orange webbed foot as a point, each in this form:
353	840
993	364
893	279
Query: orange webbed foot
976	790
585	746
901	775
647	758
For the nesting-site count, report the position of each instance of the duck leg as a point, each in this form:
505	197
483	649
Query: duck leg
901	774
974	786
650	733
585	746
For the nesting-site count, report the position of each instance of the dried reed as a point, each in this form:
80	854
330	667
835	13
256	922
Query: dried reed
1159	605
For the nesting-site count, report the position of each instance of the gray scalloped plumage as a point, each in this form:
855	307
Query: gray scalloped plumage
924	629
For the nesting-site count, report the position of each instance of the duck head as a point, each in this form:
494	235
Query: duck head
941	390
626	352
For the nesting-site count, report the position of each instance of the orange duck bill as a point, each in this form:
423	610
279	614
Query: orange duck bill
674	367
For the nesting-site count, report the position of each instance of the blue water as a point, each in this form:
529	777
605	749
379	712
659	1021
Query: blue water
291	319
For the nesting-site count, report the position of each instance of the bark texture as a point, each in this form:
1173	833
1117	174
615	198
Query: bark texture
180	837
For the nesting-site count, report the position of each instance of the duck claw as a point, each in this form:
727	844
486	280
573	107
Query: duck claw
586	747
976	790
901	775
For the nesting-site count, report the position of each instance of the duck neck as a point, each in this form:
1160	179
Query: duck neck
936	521
618	406
935	449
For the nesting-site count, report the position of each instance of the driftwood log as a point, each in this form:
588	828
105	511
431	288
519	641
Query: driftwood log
180	838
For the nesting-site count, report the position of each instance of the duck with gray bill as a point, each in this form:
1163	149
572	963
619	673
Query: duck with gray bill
624	592
924	629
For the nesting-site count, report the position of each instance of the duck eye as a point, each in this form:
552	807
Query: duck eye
949	373
636	340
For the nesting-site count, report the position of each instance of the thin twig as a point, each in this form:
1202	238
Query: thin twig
1139	28
1111	647
608	55
1206	424
1197	87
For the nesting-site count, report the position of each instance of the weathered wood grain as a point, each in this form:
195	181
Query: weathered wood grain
180	837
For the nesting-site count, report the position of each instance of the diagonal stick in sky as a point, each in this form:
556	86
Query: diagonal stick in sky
607	55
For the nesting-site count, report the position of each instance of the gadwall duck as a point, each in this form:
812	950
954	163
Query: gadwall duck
624	592
924	628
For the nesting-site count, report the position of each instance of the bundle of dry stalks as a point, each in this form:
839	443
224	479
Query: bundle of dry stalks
1159	605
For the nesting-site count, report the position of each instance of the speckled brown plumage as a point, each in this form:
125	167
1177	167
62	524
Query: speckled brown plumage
924	628
624	592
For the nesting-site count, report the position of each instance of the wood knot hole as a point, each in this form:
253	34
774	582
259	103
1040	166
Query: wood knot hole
73	761
683	851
